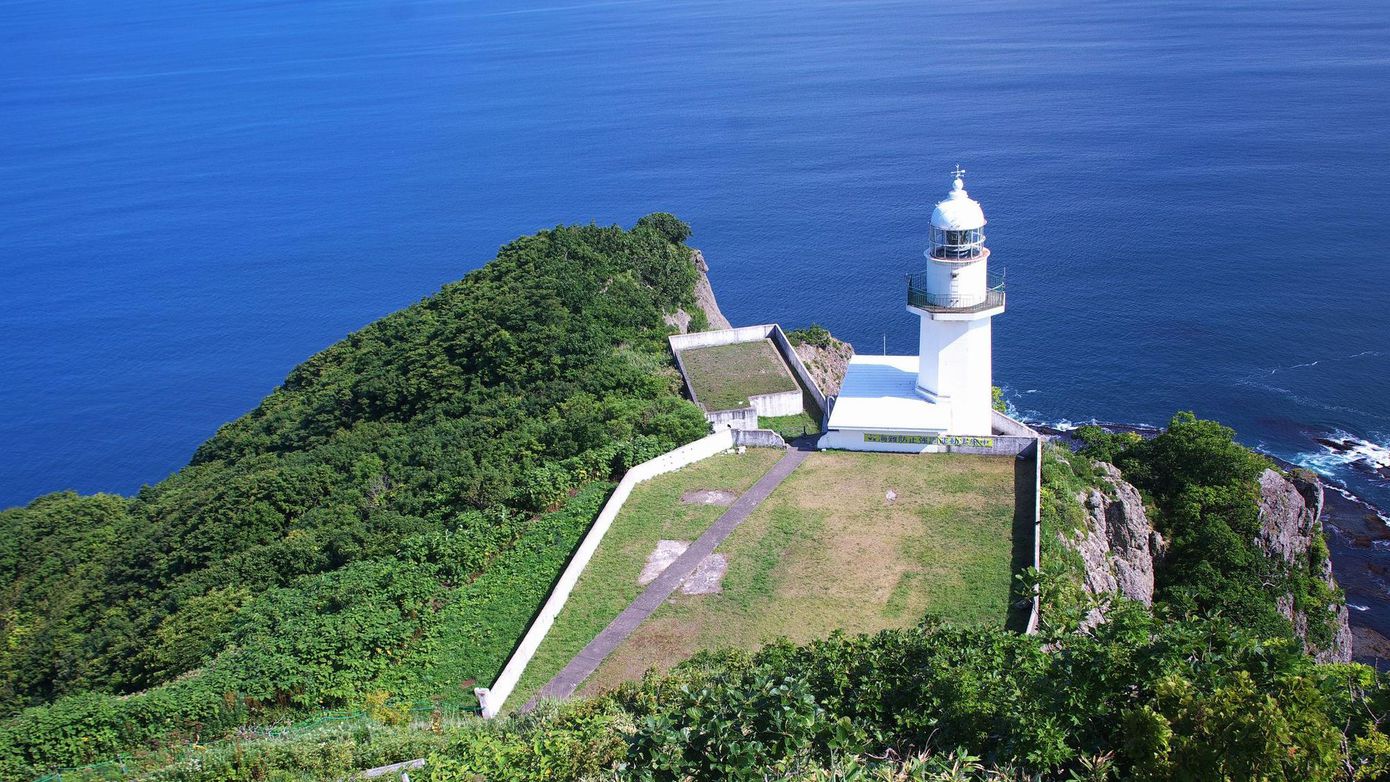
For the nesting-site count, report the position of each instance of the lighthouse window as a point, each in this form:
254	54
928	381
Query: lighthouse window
957	243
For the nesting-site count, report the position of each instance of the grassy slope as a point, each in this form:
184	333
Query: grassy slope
724	376
653	512
483	620
826	551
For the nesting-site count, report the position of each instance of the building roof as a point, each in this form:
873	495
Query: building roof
959	212
880	393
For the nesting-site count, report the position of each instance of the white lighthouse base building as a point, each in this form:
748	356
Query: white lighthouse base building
940	399
880	409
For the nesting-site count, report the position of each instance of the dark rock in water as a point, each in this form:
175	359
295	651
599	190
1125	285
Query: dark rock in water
1340	446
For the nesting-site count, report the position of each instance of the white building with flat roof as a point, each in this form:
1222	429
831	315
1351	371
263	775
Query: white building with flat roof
941	396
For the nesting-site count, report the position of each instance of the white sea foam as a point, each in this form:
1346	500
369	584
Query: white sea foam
1357	606
1354	452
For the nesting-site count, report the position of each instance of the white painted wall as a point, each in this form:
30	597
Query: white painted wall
493	698
742	418
962	281
705	339
956	368
853	440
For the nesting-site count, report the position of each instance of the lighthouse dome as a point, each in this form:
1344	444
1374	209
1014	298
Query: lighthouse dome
959	212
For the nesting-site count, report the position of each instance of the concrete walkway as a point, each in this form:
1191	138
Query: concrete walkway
590	657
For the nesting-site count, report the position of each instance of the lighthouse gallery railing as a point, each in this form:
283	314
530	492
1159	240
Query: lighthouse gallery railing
918	296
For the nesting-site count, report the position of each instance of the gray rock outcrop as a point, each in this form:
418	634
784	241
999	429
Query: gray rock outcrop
1290	518
1118	545
704	298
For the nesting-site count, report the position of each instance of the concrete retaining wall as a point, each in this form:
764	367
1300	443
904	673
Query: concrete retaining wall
780	403
994	445
707	339
1002	424
742	418
799	369
1035	454
759	438
492	698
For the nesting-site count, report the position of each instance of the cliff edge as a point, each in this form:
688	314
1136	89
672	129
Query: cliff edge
1118	545
1122	551
1291	530
704	299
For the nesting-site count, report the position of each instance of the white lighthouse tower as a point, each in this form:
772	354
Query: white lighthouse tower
956	298
939	399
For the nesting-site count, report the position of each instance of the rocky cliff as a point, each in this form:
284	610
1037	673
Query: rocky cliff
1291	530
704	298
1118	544
1121	550
826	363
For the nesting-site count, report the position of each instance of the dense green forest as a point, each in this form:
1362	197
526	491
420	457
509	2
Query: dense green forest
401	491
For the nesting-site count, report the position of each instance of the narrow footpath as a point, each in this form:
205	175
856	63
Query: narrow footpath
590	657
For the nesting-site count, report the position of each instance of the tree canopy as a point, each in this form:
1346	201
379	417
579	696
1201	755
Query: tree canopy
313	540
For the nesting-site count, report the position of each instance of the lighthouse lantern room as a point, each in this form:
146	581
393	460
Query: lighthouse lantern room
910	403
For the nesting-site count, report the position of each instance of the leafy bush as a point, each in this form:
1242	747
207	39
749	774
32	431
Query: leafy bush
1140	698
814	334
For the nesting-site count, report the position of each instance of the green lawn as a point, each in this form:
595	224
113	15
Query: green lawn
790	426
828	551
653	512
724	376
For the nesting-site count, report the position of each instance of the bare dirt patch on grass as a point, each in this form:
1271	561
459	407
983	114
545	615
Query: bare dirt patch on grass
722	497
826	551
666	552
708	576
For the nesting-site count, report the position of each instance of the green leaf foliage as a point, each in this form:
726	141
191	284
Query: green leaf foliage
1140	698
315	543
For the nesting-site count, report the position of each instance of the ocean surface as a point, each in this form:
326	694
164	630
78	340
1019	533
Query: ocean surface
1190	199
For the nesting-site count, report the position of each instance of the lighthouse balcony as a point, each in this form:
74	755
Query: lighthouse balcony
955	301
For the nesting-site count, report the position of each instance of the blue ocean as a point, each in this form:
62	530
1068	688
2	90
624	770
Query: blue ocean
1189	198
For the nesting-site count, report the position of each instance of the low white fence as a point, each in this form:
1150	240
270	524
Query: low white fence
1035	609
492	698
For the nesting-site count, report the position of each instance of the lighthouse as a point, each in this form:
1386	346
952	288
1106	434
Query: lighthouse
939	399
956	298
